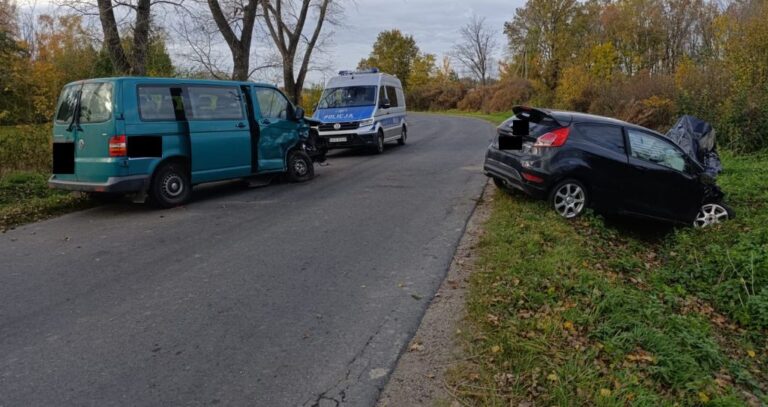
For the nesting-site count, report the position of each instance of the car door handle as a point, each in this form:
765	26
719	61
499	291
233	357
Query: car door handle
241	125
265	121
640	168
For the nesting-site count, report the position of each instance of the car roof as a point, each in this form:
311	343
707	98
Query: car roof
565	116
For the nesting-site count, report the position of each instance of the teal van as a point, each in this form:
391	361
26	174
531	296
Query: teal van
156	138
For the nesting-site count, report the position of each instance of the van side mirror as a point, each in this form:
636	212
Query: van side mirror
298	113
384	104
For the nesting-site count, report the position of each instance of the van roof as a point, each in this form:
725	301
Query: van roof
362	79
147	79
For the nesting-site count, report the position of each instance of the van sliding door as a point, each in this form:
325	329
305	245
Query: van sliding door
219	133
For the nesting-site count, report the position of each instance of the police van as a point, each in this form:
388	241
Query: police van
361	109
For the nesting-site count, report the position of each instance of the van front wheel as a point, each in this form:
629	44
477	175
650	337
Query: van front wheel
300	167
170	186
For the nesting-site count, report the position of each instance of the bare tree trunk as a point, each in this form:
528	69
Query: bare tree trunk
239	47
112	37
288	35
141	38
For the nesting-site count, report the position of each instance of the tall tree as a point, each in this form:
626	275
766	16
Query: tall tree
394	53
286	22
128	58
475	51
235	21
542	36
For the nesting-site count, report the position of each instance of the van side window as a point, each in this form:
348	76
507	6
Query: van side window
392	96
382	95
272	103
215	103
96	103
608	137
156	103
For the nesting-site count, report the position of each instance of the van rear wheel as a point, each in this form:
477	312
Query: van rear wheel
403	137
170	186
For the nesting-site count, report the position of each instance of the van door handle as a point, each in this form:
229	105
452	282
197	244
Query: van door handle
240	125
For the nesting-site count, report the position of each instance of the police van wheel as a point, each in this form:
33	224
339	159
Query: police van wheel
379	147
300	167
403	137
170	186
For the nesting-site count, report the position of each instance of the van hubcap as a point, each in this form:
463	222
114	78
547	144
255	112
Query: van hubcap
300	167
569	200
173	185
710	214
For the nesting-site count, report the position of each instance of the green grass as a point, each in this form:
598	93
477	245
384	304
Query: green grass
25	197
620	312
25	162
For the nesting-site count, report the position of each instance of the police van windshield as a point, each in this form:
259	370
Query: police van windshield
350	96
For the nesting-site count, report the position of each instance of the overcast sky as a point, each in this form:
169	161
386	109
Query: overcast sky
433	23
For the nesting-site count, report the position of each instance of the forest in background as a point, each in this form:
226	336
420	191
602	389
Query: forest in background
644	61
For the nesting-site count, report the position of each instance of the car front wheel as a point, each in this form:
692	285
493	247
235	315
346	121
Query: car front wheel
569	198
712	214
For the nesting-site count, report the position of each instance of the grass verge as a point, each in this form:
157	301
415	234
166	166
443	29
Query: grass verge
616	312
25	197
25	162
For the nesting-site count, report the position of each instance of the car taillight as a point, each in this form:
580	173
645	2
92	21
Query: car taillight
554	138
117	146
532	178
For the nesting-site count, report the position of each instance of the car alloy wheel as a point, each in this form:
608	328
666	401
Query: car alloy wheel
569	200
710	214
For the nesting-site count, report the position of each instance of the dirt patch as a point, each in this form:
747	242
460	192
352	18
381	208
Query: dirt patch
419	377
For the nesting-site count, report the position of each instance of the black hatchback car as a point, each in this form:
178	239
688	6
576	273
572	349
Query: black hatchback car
576	160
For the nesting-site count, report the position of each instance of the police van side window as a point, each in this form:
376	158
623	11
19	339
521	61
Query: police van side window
215	103
272	103
382	95
392	96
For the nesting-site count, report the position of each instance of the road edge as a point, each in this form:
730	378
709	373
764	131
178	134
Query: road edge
419	375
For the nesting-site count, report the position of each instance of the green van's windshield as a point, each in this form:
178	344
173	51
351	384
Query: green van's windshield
350	96
95	103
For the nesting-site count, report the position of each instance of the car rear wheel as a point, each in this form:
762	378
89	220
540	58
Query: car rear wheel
300	167
170	185
403	137
712	214
569	198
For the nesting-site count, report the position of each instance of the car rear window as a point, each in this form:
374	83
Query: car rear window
606	136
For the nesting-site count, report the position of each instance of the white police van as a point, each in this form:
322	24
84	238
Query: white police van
361	109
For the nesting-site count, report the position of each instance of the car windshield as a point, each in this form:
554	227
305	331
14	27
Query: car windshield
350	96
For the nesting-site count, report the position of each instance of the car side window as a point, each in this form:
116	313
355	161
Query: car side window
272	103
653	149
605	136
215	103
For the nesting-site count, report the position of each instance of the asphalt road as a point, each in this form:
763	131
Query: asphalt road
286	295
